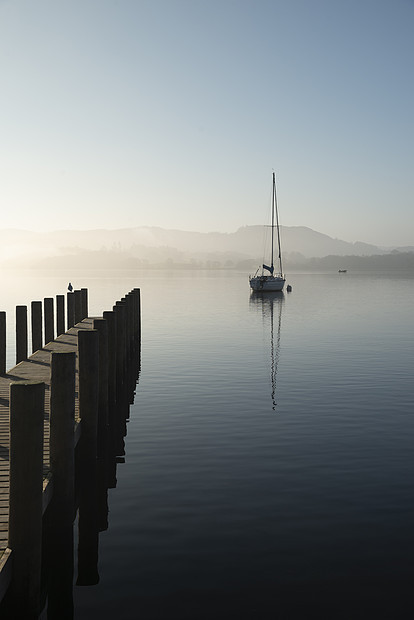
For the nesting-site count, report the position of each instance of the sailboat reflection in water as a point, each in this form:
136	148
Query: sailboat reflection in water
271	306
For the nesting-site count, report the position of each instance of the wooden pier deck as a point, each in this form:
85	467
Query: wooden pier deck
35	368
63	414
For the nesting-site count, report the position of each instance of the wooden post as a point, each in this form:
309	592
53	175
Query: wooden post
37	340
84	302
122	304
2	343
125	301
119	308
110	318
130	302
88	353
131	349
62	422
21	333
26	488
58	520
60	314
121	378
78	306
88	537
134	338
49	320
71	309
137	313
102	328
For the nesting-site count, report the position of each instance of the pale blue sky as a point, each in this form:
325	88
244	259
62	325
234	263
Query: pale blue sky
173	113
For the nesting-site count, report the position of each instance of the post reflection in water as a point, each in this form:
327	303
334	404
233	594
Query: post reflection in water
271	304
93	479
57	567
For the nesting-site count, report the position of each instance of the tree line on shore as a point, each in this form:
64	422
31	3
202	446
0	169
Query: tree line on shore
107	259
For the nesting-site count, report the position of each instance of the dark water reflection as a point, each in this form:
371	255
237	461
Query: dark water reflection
230	511
226	510
269	461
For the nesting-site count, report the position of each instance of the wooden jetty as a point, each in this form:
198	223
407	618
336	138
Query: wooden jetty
62	412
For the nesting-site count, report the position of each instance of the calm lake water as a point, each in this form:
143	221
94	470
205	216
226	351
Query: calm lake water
269	457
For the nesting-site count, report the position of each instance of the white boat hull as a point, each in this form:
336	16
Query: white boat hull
267	283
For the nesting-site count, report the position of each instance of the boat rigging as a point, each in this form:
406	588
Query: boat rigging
273	282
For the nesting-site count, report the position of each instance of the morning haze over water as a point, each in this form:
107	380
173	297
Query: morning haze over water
268	460
268	465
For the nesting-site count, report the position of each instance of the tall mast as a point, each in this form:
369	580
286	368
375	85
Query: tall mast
277	226
273	216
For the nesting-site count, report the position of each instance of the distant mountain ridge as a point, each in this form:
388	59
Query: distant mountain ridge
150	245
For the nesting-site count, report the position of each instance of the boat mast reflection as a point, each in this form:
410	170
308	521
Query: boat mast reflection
271	306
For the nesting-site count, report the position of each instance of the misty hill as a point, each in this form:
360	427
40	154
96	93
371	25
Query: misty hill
247	240
153	246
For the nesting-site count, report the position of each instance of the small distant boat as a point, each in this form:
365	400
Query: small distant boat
342	270
270	281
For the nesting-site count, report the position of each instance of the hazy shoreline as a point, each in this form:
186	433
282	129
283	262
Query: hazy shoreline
155	248
94	261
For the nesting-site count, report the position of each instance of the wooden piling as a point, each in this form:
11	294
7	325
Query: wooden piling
78	306
119	308
123	304
21	333
2	343
130	300
88	534
107	366
49	319
26	487
70	298
137	314
62	421
84	302
102	328
110	318
58	519
138	294
37	340
88	353
60	314
129	323
136	319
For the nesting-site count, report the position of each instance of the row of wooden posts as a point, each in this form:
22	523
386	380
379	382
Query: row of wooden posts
108	367
43	316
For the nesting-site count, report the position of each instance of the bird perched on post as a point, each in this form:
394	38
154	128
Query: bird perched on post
70	287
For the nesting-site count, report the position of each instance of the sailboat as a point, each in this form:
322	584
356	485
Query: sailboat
270	281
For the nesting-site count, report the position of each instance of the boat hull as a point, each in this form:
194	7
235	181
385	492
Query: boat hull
267	283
